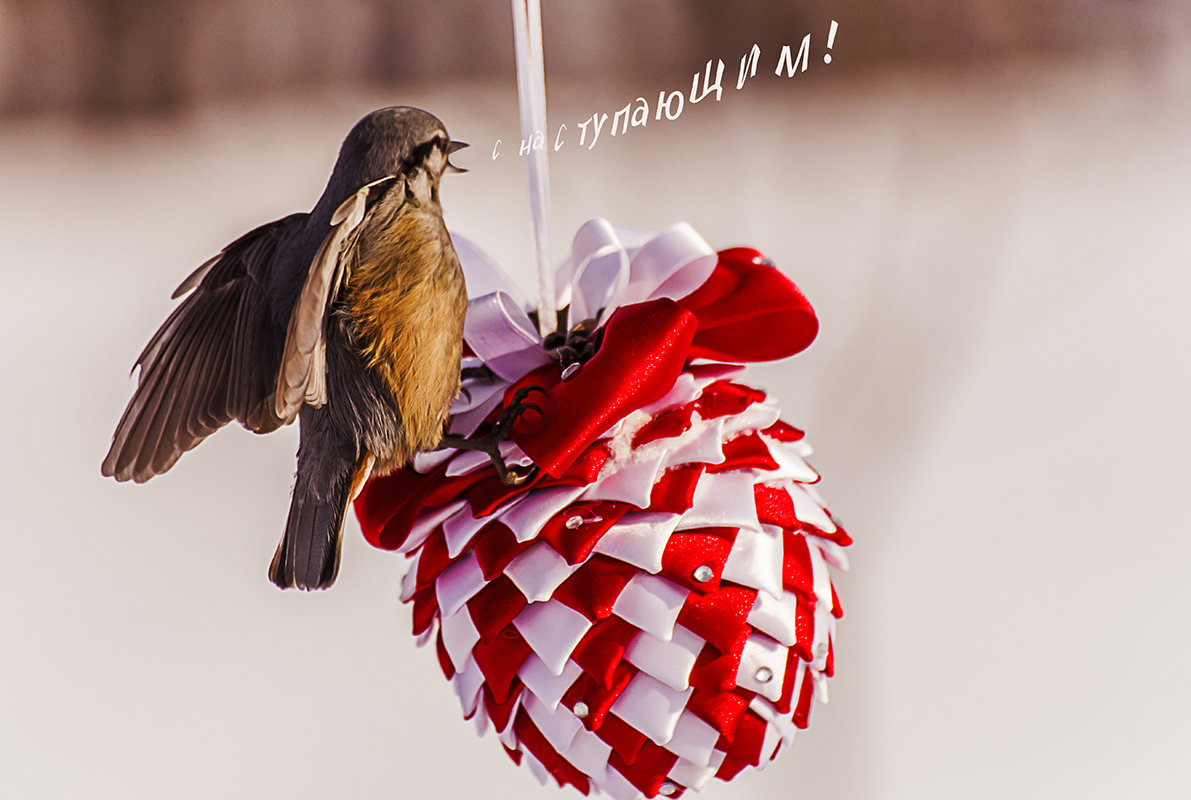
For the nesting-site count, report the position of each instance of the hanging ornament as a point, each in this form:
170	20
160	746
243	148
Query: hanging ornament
638	599
651	607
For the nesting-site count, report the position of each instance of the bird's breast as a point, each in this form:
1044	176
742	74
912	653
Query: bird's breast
407	299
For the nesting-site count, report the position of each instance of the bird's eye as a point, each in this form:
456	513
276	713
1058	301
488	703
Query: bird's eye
424	150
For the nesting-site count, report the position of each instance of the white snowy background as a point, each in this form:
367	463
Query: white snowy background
998	399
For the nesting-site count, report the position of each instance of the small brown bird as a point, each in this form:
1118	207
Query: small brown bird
349	318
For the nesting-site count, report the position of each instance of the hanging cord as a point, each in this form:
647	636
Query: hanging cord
531	93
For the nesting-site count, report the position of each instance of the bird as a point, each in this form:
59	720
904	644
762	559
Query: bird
348	318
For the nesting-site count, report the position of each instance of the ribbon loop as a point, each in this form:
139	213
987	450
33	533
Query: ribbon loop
600	271
672	264
502	335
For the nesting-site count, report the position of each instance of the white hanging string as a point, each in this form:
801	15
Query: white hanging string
531	92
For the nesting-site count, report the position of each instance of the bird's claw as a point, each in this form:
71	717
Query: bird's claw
510	413
514	476
489	443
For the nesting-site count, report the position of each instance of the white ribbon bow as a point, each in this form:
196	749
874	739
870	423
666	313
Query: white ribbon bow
610	266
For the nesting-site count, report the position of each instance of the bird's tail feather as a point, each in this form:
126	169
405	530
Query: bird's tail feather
308	555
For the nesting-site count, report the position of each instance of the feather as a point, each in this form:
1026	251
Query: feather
193	279
302	376
191	357
180	431
308	555
157	370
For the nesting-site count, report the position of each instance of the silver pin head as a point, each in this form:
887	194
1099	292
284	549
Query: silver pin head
703	573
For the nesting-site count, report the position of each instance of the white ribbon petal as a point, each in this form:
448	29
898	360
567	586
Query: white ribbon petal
545	685
459	529
469	461
426	524
669	662
469	682
617	786
693	776
651	707
789	464
558	725
458	583
821	581
590	754
682	392
526	520
807	510
466	422
632	482
781	722
694	740
756	417
459	636
832	552
651	603
755	560
762	666
702	444
639	539
535	767
552	630
820	681
538	572
723	499
821	647
776	617
409	581
430	460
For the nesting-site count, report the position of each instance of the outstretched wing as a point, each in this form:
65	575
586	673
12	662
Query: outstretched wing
221	356
215	359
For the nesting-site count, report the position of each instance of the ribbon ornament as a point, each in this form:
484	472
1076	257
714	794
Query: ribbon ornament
653	608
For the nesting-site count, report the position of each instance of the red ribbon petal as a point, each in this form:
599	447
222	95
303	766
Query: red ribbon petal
749	311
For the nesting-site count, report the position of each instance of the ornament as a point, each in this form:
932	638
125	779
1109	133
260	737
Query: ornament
652	606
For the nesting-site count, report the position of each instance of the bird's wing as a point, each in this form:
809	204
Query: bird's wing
214	360
302	377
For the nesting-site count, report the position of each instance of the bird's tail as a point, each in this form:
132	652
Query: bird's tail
308	555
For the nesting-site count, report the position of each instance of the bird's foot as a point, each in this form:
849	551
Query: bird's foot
490	442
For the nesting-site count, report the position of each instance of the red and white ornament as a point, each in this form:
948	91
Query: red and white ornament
654	608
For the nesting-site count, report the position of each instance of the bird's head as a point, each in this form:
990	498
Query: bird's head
394	141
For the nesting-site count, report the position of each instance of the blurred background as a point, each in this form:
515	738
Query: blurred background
987	203
120	56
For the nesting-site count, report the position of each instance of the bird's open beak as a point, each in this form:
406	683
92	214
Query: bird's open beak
451	148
